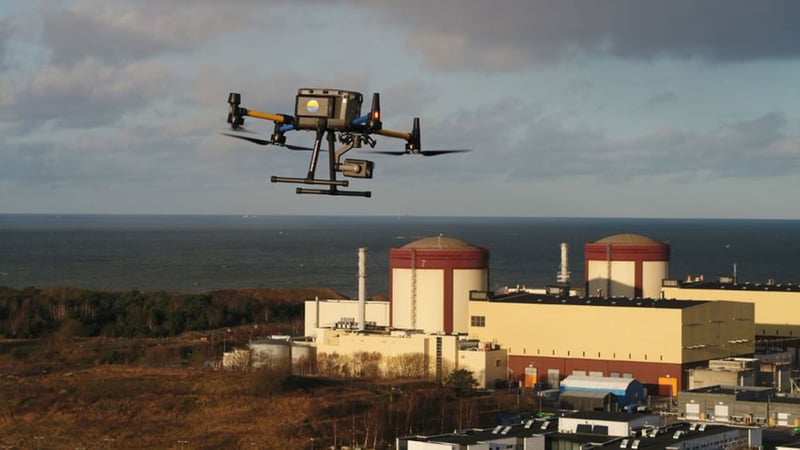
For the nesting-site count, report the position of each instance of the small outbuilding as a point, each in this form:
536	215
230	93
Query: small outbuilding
628	391
589	401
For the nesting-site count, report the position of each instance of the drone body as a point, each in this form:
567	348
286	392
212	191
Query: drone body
332	114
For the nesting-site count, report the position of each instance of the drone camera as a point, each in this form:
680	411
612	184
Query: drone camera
338	107
357	168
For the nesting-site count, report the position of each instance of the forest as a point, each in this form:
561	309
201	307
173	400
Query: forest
37	312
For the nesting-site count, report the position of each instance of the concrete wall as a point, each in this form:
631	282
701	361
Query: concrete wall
582	330
646	342
716	330
726	408
486	365
770	306
615	427
464	281
623	276
653	274
708	377
427	298
331	311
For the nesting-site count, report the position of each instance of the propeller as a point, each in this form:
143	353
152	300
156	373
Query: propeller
420	152
413	146
261	141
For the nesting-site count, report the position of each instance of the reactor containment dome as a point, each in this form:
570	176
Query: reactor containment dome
626	265
430	283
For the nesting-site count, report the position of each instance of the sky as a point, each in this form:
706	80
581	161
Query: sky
604	108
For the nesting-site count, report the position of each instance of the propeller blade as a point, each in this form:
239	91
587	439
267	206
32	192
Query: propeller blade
259	141
248	138
441	152
420	152
297	147
387	152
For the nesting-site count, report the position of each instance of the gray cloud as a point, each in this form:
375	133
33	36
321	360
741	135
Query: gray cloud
126	31
5	34
84	95
660	99
750	149
513	141
511	34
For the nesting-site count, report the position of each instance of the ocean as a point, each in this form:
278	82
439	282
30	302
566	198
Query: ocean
200	253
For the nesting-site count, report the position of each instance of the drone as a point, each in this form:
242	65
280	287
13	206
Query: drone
334	115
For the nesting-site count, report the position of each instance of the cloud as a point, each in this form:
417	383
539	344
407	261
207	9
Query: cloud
746	149
660	99
512	34
87	94
5	35
126	31
514	141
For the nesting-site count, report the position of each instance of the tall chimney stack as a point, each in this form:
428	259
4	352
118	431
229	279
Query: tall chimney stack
362	287
563	269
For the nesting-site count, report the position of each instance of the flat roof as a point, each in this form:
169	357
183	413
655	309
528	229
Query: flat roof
525	297
475	435
730	389
609	416
760	287
670	436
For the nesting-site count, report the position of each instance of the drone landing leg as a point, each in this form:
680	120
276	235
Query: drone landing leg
312	165
333	166
332	159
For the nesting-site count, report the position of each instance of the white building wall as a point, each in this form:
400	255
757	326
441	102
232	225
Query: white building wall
332	311
653	273
420	445
615	427
486	365
428	297
497	444
464	281
623	276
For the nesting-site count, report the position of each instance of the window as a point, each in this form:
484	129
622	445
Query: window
477	321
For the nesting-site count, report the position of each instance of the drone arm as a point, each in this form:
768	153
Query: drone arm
280	118
394	133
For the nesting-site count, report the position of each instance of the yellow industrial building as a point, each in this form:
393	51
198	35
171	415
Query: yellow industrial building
777	306
655	341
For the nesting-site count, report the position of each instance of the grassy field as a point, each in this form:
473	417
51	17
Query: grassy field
63	390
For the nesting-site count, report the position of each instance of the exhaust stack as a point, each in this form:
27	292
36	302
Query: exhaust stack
362	288
563	269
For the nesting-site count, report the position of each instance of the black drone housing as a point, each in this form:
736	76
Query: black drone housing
338	107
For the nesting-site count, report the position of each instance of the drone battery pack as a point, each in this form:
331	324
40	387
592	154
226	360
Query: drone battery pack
339	107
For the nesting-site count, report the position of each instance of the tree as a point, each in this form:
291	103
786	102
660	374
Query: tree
460	381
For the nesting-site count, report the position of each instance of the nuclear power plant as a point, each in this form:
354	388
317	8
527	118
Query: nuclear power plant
631	321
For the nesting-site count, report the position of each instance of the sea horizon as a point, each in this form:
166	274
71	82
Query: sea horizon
202	252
